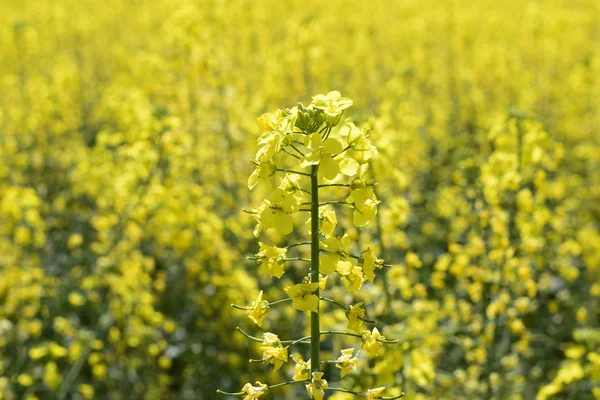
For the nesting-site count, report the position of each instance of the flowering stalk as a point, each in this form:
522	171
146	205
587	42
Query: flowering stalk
315	329
301	143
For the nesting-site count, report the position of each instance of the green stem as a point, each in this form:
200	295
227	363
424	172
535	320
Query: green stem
270	304
336	202
315	330
296	244
270	387
333	389
290	342
289	171
343	307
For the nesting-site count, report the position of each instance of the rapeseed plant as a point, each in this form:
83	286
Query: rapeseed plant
326	158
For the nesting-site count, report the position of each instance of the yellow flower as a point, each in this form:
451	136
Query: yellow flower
370	341
303	297
259	309
165	362
35	353
254	392
301	370
373	394
327	221
262	171
271	259
273	351
52	377
346	362
352	276
316	388
332	104
25	380
361	148
365	205
369	260
76	299
74	240
355	315
99	371
57	350
86	390
335	255
322	152
270	216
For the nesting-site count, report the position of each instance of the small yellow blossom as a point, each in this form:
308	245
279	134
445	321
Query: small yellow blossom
273	351
346	362
271	259
370	341
316	388
259	309
303	297
254	392
25	380
301	370
355	315
373	394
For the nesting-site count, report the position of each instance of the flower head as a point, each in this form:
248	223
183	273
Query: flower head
373	394
369	262
352	276
322	152
370	341
316	387
332	105
365	205
346	362
259	309
273	351
303	297
355	315
301	370
336	252
254	392
271	259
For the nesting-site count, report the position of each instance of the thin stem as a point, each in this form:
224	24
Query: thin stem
278	385
297	259
356	335
290	342
344	307
315	333
270	304
247	335
343	184
301	340
291	154
290	171
296	244
297	150
334	389
336	202
342	152
334	302
280	301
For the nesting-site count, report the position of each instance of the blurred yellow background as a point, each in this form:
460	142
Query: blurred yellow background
126	130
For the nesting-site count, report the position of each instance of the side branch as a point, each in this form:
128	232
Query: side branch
333	389
270	387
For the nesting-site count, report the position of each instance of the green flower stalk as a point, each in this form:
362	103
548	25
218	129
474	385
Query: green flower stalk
306	150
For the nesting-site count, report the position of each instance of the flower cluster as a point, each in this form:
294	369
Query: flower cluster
301	148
